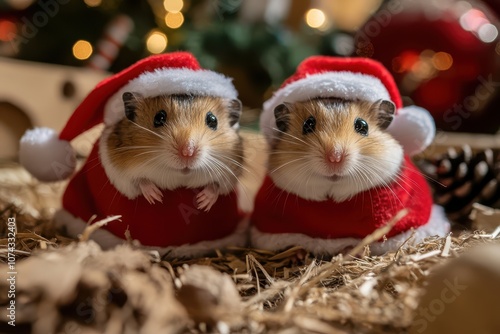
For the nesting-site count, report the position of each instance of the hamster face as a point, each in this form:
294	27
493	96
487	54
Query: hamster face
332	148
176	140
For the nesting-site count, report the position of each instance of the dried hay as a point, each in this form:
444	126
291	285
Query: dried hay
70	286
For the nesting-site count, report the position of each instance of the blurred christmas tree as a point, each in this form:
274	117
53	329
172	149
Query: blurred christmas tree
47	30
258	43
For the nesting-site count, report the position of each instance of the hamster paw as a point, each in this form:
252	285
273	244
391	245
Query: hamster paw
207	197
151	192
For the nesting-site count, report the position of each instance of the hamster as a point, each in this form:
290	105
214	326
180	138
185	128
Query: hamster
329	148
173	141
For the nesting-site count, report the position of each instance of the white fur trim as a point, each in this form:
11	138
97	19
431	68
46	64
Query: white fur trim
45	156
345	85
75	226
414	128
170	81
438	225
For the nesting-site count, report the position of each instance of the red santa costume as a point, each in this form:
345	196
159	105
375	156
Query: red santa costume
281	219
176	226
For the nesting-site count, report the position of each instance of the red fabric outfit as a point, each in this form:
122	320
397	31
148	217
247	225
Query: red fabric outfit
277	211
174	222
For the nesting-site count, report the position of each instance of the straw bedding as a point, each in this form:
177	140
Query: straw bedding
72	286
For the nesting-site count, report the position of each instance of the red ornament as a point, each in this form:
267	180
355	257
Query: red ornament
444	57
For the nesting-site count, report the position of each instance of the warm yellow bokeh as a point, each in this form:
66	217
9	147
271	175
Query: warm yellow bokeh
174	20
173	6
156	42
82	50
315	18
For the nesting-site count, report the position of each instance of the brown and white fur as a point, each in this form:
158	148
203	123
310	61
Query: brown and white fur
333	160
181	150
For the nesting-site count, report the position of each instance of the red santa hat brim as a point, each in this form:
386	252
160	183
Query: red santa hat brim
343	84
351	79
168	81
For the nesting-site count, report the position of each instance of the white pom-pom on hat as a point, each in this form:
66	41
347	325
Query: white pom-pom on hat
414	128
45	156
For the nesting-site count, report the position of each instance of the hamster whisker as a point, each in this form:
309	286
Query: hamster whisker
298	144
305	180
224	149
364	179
290	135
155	152
216	165
407	181
399	176
236	163
223	167
300	172
233	154
221	133
97	162
127	148
293	169
145	129
378	159
208	168
238	181
286	164
222	170
375	173
360	179
220	174
155	160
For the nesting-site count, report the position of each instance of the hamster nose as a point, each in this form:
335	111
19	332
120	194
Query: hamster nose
188	150
336	155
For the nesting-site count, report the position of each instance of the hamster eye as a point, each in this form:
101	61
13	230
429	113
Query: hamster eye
211	121
309	125
361	126
160	118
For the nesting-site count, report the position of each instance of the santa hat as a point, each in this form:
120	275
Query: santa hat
352	79
50	157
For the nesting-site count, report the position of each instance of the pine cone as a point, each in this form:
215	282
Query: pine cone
460	179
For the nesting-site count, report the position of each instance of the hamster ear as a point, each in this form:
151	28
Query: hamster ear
130	103
235	108
282	116
385	113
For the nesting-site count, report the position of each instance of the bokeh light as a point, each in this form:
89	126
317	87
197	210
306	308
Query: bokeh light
93	3
8	30
442	61
156	42
174	20
82	50
315	18
173	6
20	4
487	33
